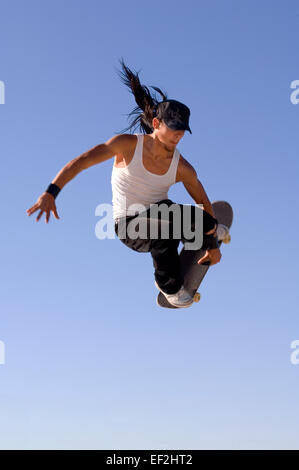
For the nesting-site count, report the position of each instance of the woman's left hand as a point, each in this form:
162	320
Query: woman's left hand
213	256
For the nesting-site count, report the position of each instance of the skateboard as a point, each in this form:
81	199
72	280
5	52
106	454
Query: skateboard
194	273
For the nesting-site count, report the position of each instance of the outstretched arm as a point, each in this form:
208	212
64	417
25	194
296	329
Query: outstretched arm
98	154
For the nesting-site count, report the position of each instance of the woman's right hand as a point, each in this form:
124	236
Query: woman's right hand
45	203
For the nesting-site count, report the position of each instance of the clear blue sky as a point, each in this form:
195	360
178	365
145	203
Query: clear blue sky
91	361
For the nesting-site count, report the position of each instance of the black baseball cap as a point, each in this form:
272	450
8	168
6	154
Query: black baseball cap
174	113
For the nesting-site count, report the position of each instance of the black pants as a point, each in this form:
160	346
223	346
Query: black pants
164	252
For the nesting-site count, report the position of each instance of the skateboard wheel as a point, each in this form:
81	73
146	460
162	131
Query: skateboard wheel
227	239
196	297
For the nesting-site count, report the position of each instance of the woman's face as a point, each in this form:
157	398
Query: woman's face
166	135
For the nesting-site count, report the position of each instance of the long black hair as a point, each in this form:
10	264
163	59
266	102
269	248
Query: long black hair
147	104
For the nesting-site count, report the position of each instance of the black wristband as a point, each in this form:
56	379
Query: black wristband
53	189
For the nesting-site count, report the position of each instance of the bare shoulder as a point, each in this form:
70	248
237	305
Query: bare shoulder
121	143
185	172
117	146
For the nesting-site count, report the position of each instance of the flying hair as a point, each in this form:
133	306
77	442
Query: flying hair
146	108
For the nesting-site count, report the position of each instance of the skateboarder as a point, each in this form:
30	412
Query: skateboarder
145	166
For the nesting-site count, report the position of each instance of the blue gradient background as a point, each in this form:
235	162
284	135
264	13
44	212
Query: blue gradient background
91	361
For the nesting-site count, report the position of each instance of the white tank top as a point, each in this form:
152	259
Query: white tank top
134	184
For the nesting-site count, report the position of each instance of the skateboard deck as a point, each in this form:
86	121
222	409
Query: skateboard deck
194	273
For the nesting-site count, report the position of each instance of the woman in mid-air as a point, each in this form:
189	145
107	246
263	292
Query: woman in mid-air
146	164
